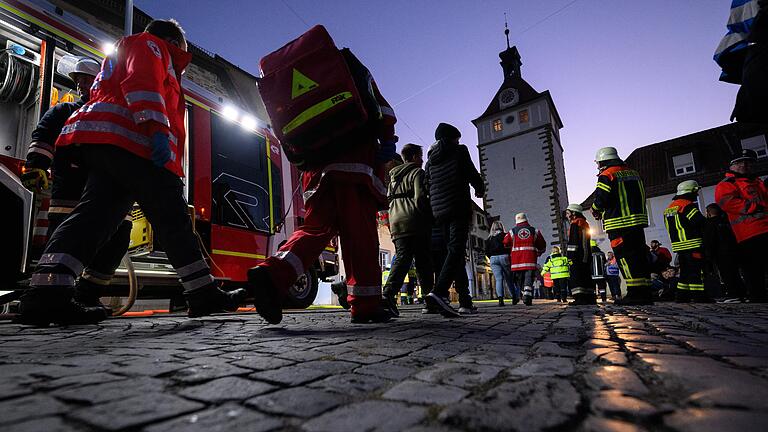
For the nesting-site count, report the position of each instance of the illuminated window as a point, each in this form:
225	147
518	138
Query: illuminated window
523	116
497	127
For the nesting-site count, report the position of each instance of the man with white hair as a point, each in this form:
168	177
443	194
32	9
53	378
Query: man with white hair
526	244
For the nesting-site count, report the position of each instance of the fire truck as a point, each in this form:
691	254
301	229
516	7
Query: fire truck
244	196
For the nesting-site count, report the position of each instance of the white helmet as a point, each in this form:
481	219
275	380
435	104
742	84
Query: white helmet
606	154
87	66
688	186
521	217
575	208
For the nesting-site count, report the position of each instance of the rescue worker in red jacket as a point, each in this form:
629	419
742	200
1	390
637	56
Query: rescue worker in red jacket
685	225
526	245
579	251
620	204
744	197
130	138
342	197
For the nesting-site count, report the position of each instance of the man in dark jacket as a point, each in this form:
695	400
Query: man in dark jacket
580	253
410	220
450	171
721	252
69	182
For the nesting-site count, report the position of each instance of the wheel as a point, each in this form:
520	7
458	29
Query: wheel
302	294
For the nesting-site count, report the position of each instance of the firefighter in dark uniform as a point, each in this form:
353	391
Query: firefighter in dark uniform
69	182
620	203
598	270
685	225
580	254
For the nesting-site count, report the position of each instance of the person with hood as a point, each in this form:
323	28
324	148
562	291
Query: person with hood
721	252
558	268
526	244
410	221
498	253
69	182
685	225
130	135
744	198
449	172
620	204
579	252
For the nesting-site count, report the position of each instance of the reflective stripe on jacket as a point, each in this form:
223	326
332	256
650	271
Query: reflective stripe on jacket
685	225
557	266
745	200
526	244
620	196
136	94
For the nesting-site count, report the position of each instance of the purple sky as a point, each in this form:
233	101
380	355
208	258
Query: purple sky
622	73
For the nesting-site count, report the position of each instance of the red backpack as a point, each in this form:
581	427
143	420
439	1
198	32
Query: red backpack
315	94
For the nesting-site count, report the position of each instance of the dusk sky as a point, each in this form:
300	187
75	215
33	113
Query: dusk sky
622	72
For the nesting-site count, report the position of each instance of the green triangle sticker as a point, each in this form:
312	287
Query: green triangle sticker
301	84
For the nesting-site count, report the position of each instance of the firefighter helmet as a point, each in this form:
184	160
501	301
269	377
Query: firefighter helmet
577	208
86	66
688	186
606	154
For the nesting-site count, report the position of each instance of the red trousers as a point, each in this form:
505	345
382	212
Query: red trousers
340	208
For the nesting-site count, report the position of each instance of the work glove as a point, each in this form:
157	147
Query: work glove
597	215
161	149
34	179
386	151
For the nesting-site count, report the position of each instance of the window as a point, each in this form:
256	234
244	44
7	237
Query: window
479	218
383	259
684	164
241	179
510	119
756	143
523	116
497	127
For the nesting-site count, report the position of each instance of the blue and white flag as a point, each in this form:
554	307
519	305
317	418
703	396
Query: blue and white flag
730	53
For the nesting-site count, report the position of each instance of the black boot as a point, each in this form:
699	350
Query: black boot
501	301
636	297
44	306
380	315
390	304
340	289
266	298
211	300
88	294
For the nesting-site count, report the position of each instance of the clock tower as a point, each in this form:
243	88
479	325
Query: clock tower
521	157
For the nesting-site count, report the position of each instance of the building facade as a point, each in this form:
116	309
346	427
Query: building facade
521	156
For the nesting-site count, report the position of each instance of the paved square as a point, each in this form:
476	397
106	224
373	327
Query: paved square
674	367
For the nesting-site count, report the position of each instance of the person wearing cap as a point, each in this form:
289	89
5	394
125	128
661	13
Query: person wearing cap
558	268
685	226
130	135
620	204
579	252
744	198
449	173
526	244
69	181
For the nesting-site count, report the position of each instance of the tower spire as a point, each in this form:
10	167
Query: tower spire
506	29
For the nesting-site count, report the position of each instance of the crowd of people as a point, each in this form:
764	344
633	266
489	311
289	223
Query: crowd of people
122	143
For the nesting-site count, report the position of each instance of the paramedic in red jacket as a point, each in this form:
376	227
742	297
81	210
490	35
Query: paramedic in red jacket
130	137
342	197
744	197
527	244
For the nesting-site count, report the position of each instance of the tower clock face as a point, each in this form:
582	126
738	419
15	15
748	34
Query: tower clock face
509	97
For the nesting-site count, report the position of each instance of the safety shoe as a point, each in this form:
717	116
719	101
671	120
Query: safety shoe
443	305
266	298
583	300
635	298
390	304
207	301
528	300
515	300
340	289
88	294
378	315
41	307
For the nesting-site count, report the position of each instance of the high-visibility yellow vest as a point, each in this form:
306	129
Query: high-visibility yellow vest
557	266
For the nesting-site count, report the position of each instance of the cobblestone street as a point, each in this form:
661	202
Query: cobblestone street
668	367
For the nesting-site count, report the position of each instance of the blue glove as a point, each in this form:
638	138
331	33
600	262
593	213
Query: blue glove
386	151
161	149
